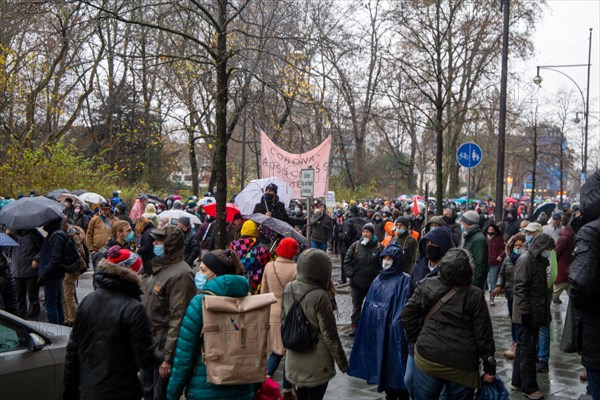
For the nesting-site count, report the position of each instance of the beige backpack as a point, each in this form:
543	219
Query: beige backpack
235	331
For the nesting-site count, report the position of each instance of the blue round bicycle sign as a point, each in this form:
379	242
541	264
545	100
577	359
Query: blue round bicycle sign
469	155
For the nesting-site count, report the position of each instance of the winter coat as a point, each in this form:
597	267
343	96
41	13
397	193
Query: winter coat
496	246
277	275
506	277
389	233
30	243
530	290
456	233
188	369
168	293
513	227
351	231
110	340
584	274
321	228
362	263
191	249
380	348
476	244
99	232
146	248
316	366
410	247
137	210
8	290
82	220
52	255
460	333
564	253
443	238
276	207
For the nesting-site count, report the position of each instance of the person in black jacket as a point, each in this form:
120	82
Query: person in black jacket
584	281
450	341
362	265
146	247
349	232
270	204
191	249
8	292
321	227
25	260
110	340
50	274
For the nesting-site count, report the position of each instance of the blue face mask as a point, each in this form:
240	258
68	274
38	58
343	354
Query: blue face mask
400	231
200	280
529	238
546	253
517	251
130	236
159	250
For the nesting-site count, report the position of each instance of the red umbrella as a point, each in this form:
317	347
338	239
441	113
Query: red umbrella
510	200
418	197
232	210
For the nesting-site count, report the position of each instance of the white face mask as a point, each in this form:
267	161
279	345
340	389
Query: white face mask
364	241
386	264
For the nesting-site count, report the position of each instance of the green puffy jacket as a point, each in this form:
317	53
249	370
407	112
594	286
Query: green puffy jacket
188	369
476	244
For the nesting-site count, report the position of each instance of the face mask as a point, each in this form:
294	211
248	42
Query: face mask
433	228
159	250
317	213
297	210
386	264
66	204
433	253
377	219
490	235
364	241
546	253
76	211
517	251
268	197
400	231
448	220
130	236
200	280
528	238
169	202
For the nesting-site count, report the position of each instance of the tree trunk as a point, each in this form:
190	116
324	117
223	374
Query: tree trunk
534	171
193	163
220	164
439	173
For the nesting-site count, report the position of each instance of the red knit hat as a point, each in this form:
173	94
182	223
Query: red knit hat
125	258
287	248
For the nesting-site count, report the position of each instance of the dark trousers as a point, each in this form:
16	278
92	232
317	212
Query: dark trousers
513	326
524	372
153	386
593	386
358	297
343	278
53	301
28	292
401	394
312	393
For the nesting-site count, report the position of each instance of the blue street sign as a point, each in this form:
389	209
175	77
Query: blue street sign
469	155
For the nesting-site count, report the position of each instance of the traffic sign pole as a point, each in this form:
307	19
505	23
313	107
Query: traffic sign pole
469	156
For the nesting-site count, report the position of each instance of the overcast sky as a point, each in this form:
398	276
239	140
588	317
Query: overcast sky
562	38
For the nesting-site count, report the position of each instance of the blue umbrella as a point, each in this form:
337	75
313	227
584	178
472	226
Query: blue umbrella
7	241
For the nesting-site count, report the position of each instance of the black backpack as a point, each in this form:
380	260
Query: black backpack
71	261
297	333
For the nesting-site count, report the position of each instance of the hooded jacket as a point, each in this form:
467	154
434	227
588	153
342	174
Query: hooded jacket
496	245
276	207
321	228
564	253
584	274
379	225
169	292
188	370
410	247
389	233
530	290
30	242
380	348
476	244
316	366
460	332
443	238
110	340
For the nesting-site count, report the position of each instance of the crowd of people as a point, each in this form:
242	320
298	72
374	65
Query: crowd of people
420	284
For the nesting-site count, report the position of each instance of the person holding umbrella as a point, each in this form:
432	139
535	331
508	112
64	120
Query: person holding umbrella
270	204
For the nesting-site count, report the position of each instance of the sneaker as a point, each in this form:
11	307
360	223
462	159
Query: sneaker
515	387
542	366
537	395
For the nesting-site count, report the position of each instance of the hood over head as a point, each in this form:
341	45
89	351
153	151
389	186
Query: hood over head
456	267
437	219
394	251
314	268
174	240
440	236
541	242
389	228
590	198
494	226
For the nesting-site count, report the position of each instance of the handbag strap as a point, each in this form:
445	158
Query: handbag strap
442	301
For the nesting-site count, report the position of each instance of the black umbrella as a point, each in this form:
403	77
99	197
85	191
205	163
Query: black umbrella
280	227
548	208
79	192
55	193
154	199
30	212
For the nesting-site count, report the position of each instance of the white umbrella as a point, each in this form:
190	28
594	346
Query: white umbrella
93	198
175	214
206	200
73	197
253	192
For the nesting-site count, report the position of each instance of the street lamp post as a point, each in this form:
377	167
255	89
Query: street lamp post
586	103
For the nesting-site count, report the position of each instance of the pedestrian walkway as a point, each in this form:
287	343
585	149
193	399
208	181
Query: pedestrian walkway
560	383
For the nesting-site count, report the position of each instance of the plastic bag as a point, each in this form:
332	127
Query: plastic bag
492	391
